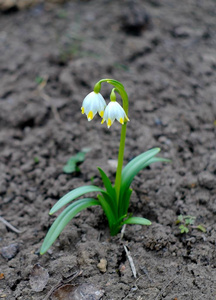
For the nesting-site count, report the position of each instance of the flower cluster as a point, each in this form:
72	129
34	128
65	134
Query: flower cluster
94	102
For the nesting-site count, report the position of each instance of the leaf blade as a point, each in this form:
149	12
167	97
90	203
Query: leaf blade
124	202
137	164
63	219
143	156
137	220
107	210
106	182
73	162
73	195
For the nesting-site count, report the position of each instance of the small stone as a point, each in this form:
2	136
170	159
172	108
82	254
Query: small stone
10	251
102	265
162	139
122	268
186	32
113	163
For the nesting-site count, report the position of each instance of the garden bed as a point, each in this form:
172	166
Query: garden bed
164	54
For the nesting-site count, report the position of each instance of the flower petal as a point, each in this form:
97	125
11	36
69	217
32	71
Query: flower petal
93	103
114	111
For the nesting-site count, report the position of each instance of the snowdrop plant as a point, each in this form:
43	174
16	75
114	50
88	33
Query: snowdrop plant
114	199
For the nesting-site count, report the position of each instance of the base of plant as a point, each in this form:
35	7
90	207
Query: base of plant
115	209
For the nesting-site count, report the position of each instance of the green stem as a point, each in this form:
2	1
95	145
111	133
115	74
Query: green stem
120	161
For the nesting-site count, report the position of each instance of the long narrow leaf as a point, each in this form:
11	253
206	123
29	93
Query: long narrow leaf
73	195
158	159
124	202
107	183
107	210
134	166
142	157
125	190
137	220
111	194
63	219
112	203
127	180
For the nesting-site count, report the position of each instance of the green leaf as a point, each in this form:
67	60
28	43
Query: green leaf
36	160
63	219
189	221
124	202
130	171
73	195
70	168
107	210
180	219
137	220
39	79
111	197
157	159
73	162
107	183
201	228
137	164
183	229
112	203
134	164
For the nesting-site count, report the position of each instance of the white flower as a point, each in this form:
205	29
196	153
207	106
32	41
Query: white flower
93	103
114	111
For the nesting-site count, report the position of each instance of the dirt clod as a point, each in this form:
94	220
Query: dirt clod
207	180
38	278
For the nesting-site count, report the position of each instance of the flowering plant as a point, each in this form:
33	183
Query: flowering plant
114	199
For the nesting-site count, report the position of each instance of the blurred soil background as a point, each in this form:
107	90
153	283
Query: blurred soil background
51	55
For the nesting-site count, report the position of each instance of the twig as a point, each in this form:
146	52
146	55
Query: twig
62	282
123	231
9	225
146	273
131	291
130	259
163	290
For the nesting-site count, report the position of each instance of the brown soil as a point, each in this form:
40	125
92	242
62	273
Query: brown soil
164	52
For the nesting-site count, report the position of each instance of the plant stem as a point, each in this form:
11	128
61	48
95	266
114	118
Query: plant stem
120	161
124	97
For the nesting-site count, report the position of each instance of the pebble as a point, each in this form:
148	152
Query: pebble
102	265
10	251
113	163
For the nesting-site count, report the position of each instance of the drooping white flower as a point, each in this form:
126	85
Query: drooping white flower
93	103
114	111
